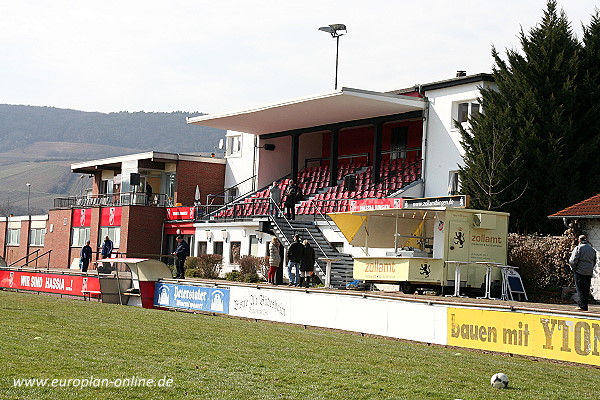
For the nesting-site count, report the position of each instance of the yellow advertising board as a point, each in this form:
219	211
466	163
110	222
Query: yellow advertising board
398	269
538	335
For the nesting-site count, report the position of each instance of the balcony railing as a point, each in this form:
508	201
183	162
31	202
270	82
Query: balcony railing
114	199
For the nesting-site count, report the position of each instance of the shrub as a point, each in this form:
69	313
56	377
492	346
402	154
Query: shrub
250	267
233	276
207	266
543	261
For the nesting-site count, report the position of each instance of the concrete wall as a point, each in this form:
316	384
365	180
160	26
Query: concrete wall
593	232
273	165
240	166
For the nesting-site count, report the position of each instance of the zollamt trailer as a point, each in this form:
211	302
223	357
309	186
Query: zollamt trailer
425	246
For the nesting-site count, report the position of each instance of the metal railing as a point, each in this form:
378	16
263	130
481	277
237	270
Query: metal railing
36	258
114	199
350	156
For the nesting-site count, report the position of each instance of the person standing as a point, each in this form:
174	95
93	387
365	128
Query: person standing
86	256
107	247
294	259
181	252
582	262
307	265
274	259
279	272
274	199
148	193
292	195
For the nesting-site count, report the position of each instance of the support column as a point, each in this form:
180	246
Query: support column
377	143
333	157
295	146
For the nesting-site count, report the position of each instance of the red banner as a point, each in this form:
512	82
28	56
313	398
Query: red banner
110	216
180	213
179	228
50	283
375	204
82	217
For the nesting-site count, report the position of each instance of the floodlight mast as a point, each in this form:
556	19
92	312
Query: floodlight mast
336	31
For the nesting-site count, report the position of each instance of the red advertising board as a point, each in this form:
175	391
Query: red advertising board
110	216
47	282
180	213
375	204
82	217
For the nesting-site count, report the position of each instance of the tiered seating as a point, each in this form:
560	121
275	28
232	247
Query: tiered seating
314	181
395	174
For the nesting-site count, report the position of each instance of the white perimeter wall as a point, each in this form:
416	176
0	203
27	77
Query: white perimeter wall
444	152
398	319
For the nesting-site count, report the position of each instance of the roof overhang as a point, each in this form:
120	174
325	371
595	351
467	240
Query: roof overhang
115	163
591	216
325	109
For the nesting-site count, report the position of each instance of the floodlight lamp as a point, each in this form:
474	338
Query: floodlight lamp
334	29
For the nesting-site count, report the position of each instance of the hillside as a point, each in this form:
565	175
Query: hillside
38	145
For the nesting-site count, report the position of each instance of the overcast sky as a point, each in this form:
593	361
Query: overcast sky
218	56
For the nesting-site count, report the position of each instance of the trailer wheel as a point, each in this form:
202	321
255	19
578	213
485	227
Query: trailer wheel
408	288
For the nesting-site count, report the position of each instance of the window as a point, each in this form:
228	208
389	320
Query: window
453	183
253	245
202	248
464	110
234	145
36	236
13	237
218	248
235	253
399	141
113	232
232	193
80	236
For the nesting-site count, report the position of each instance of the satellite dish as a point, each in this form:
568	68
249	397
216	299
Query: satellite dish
221	144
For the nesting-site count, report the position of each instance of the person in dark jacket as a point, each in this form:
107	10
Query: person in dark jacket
279	272
182	251
107	247
86	256
294	256
307	265
293	193
582	262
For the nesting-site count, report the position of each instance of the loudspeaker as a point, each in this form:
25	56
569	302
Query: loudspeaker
350	183
269	147
134	179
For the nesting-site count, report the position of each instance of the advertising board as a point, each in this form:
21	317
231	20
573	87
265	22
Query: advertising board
49	283
547	336
191	297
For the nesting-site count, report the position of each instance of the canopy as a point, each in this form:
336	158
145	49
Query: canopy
145	269
342	105
378	228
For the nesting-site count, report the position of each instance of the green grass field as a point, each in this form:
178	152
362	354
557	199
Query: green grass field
217	357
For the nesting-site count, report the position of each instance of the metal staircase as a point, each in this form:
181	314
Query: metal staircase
341	271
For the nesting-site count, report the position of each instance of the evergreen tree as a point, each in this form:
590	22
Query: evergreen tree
533	119
590	104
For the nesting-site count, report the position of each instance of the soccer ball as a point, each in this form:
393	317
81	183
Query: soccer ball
499	381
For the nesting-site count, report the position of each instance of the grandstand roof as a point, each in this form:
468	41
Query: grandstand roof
589	208
328	108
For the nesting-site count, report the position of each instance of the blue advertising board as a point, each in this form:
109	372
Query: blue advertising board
192	297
